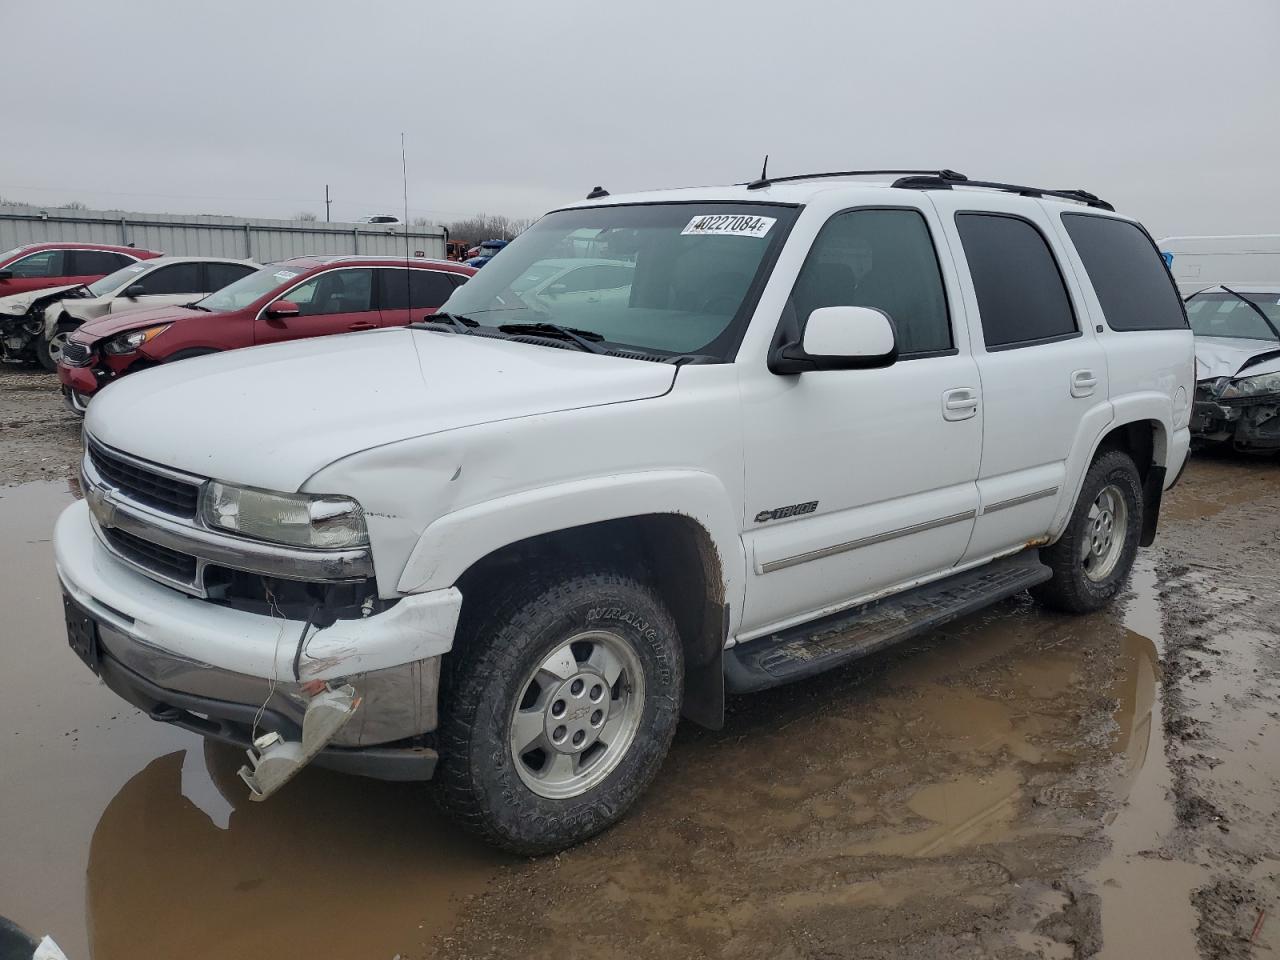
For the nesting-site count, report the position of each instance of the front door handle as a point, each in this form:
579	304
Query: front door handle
363	325
1082	383
959	403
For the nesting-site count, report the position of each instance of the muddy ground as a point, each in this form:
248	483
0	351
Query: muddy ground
1021	784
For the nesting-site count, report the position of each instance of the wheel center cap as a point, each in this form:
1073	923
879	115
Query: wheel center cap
576	712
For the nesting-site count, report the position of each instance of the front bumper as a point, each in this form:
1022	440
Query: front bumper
205	660
1248	424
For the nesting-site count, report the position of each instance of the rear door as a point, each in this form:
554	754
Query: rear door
333	301
408	295
1043	372
863	480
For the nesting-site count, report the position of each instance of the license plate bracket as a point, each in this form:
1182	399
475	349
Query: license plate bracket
82	633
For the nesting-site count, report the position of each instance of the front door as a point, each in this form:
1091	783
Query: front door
863	480
335	301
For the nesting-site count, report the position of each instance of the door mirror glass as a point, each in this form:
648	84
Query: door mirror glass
134	291
6	274
281	309
840	338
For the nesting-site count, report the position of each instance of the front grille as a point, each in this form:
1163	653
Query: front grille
76	354
176	497
150	556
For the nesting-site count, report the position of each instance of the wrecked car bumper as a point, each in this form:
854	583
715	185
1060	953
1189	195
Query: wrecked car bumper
1248	425
211	668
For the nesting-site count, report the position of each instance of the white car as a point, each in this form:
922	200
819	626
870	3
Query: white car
161	282
1237	400
828	414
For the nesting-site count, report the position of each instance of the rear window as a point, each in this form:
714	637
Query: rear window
1131	281
1022	298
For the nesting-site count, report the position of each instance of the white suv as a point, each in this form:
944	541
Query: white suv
508	547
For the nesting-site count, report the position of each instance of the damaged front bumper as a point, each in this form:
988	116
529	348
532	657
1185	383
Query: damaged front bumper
228	674
1248	424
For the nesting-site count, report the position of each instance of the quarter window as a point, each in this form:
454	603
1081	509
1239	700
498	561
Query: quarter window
883	259
46	263
1132	283
1022	297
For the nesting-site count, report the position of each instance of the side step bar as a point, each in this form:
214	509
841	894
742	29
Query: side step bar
819	645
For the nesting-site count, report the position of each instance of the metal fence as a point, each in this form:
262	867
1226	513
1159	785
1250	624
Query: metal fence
184	235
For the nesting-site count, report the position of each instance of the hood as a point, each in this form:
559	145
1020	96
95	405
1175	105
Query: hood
112	323
272	416
19	303
1224	356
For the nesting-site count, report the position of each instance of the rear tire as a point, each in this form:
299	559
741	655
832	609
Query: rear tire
558	709
1093	558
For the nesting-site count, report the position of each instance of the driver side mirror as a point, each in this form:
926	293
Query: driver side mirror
556	289
135	291
282	309
840	338
6	274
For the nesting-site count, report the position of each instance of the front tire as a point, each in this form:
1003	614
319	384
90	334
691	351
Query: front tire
559	709
48	350
1092	560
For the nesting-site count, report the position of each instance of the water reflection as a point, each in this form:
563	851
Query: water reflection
333	866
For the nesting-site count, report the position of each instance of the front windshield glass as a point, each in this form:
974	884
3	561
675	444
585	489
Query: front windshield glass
668	278
1220	314
114	281
244	291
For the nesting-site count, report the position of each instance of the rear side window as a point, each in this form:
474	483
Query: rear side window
1131	281
422	288
883	259
218	275
1021	294
90	262
173	279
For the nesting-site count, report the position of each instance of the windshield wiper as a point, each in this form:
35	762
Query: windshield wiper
587	340
1256	309
196	306
456	321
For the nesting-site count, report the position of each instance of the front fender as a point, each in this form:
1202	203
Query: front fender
455	541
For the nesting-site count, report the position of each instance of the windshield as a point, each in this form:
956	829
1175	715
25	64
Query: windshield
114	281
670	278
1220	314
248	289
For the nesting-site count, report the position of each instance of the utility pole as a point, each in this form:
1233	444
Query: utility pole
327	201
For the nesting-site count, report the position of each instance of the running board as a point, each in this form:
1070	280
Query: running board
819	645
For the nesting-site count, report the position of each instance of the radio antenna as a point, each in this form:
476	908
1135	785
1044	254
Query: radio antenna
404	179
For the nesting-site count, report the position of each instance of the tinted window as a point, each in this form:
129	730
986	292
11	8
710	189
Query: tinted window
424	288
91	262
173	279
335	291
46	263
883	259
1021	295
218	275
1131	281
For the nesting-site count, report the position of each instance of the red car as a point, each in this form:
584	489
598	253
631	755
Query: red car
289	300
39	265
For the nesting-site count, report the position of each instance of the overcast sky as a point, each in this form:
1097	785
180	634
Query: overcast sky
250	107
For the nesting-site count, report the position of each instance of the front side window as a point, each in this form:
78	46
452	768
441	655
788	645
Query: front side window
46	263
334	291
677	278
1222	314
1022	297
176	278
883	259
1132	283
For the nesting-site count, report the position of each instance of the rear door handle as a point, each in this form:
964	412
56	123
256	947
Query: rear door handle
1082	383
959	403
363	325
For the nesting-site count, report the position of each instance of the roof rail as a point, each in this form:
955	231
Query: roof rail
765	180
940	181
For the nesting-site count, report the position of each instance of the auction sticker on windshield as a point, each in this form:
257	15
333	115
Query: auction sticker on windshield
728	225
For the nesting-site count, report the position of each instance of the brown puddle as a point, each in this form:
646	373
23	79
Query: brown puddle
126	838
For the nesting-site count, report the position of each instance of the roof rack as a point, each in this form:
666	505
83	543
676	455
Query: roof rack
765	180
941	181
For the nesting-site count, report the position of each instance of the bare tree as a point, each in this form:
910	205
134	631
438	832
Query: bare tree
75	205
306	215
485	226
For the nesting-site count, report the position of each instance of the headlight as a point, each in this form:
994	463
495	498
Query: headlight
298	519
1259	386
131	341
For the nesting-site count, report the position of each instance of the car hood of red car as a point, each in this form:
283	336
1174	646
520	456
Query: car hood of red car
115	323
